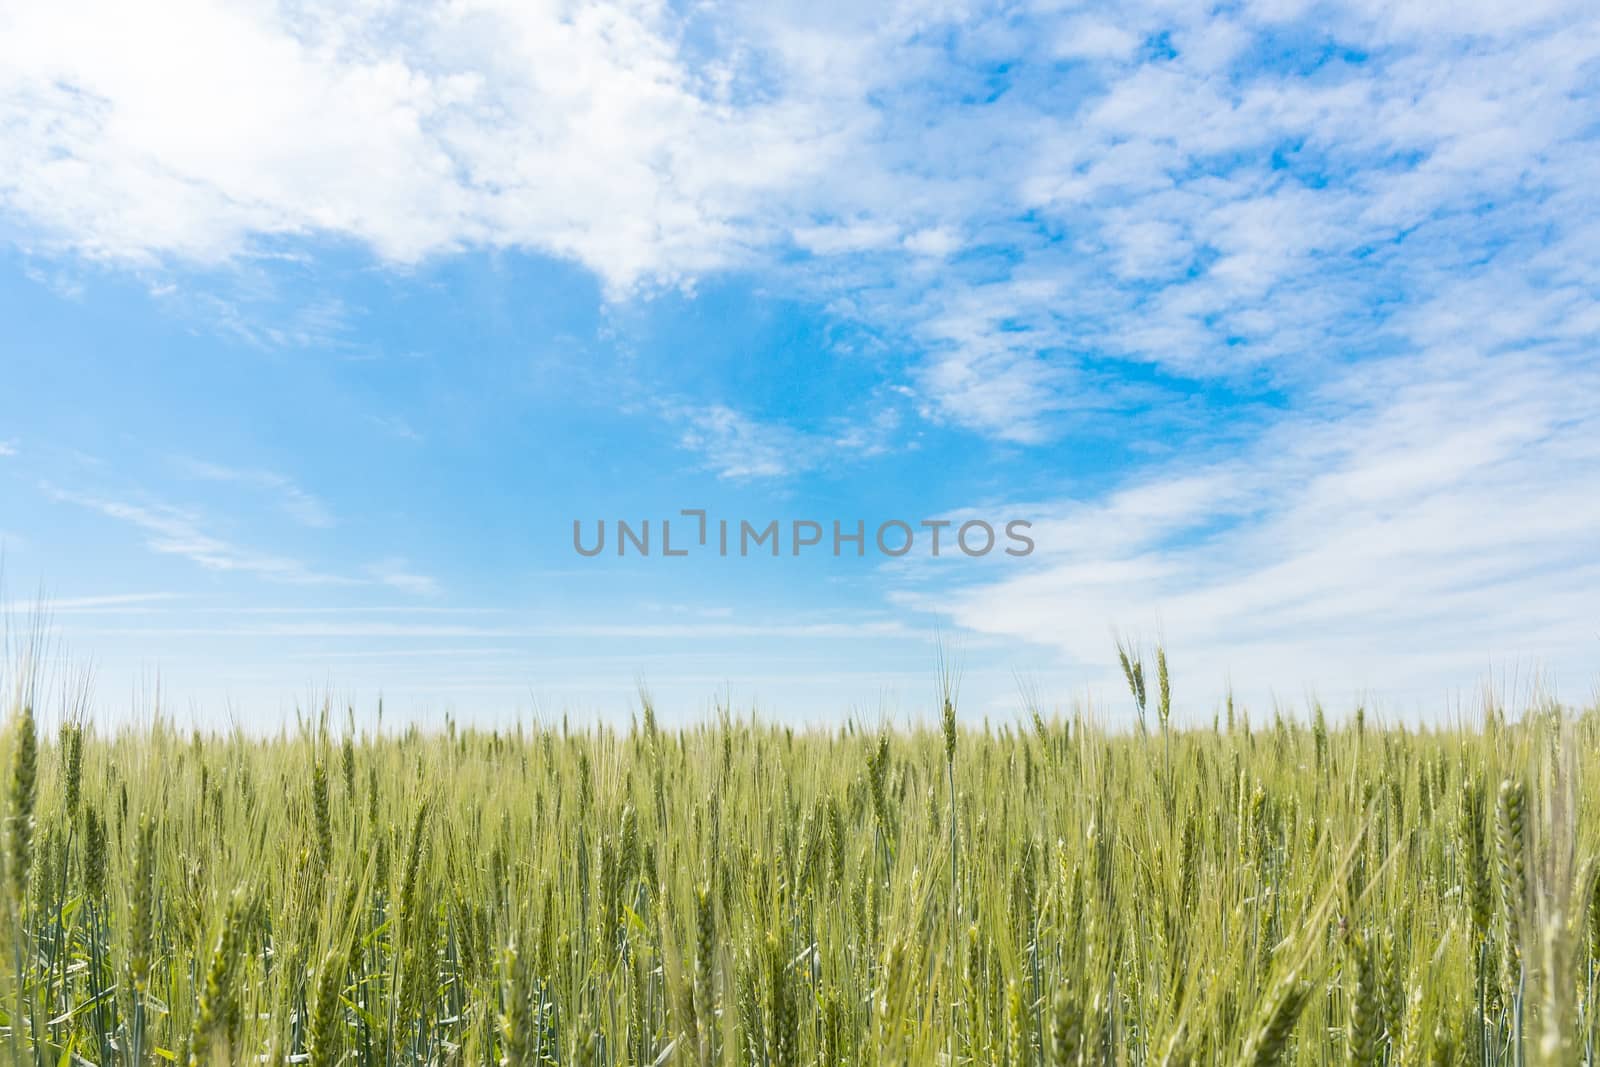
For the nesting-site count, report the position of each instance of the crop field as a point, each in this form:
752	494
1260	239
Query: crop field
1309	890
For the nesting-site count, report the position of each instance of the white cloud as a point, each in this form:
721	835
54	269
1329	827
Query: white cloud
108	604
846	237
735	446
1219	218
678	631
935	241
584	133
184	533
178	532
1086	37
303	507
1400	244
7	449
1189	198
1426	525
110	601
397	573
738	447
396	427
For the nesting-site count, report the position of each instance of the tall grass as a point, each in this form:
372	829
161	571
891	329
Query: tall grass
740	892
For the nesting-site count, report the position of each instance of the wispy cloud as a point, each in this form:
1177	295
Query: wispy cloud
183	532
300	505
252	312
7	449
739	448
112	600
1425	525
683	631
1209	214
178	532
395	426
109	604
397	573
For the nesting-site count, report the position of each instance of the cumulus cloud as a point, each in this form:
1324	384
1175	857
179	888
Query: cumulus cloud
1215	193
209	128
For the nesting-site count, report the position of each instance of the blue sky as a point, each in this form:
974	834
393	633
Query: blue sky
1278	320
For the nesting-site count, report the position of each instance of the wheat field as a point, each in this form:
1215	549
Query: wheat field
1040	893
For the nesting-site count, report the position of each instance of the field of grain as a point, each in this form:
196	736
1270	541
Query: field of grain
1037	893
